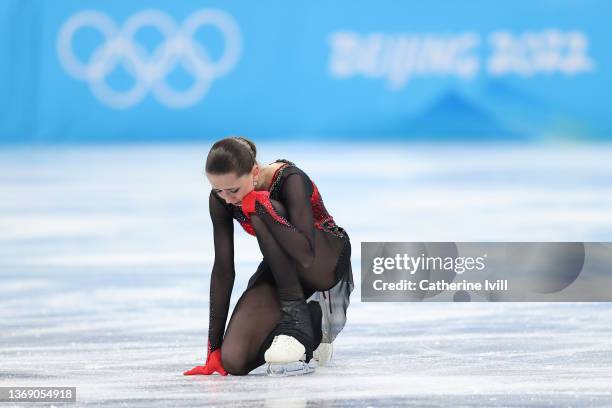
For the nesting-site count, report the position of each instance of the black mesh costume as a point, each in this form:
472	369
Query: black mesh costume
304	251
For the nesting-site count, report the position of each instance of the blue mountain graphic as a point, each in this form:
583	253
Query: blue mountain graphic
452	115
531	114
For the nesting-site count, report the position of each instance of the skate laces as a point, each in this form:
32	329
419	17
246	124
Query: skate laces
295	321
290	314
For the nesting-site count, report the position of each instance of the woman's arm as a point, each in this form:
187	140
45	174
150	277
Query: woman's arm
223	272
296	233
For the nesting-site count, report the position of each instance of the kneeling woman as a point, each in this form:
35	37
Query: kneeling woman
306	256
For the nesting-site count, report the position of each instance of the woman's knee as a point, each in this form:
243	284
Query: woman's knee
233	362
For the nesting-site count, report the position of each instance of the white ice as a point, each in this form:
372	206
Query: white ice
105	257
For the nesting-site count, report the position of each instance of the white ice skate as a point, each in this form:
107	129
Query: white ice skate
287	356
323	354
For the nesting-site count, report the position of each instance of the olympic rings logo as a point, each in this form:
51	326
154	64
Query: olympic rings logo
149	70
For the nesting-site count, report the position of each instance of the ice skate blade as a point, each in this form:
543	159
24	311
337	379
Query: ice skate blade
290	369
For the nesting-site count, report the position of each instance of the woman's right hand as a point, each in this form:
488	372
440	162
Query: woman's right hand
213	364
248	201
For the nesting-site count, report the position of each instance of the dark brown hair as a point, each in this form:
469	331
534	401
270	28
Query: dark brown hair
233	154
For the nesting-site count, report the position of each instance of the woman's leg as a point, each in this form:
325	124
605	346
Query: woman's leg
254	317
249	332
295	284
284	269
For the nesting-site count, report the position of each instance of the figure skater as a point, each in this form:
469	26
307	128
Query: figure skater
306	256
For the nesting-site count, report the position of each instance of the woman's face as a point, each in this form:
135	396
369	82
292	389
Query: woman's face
232	188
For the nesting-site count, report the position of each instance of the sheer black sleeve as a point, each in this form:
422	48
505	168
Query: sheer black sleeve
296	234
223	271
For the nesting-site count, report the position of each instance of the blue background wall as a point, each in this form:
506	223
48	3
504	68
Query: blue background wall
345	69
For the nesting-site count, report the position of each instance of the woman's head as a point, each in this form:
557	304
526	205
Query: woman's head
232	168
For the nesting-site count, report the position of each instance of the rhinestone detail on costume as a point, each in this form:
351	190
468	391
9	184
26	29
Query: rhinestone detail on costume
322	219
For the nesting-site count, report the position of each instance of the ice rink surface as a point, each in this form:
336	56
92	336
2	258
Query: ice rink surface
106	251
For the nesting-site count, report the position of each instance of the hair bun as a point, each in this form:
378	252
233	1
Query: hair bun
248	144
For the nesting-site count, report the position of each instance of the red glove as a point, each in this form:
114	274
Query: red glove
213	364
263	198
248	201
